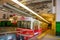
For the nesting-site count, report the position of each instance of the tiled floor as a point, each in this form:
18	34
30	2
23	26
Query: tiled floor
50	37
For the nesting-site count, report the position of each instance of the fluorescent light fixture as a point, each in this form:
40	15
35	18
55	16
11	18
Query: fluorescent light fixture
25	7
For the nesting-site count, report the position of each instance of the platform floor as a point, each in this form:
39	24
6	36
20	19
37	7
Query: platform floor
45	36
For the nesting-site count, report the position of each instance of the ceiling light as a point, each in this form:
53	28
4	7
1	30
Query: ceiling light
25	7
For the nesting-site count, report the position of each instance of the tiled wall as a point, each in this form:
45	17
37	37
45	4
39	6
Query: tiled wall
57	10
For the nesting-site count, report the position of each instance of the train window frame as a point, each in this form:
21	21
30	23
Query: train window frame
25	25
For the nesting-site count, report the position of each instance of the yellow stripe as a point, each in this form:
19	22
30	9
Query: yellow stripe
42	35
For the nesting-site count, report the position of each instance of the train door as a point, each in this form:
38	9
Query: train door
35	27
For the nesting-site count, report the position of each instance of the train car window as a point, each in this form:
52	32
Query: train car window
35	25
7	24
2	24
29	24
24	24
19	24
